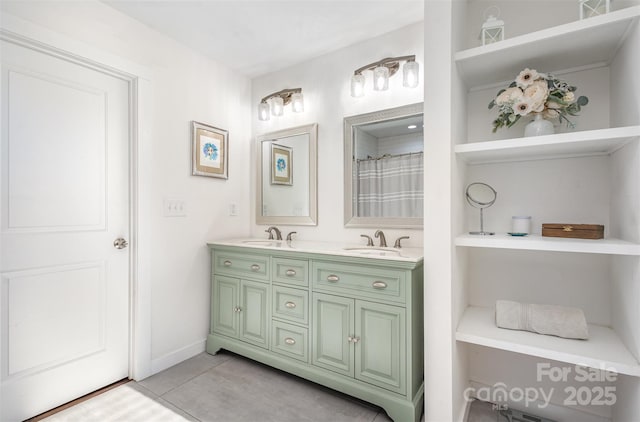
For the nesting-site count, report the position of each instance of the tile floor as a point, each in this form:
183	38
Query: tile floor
229	388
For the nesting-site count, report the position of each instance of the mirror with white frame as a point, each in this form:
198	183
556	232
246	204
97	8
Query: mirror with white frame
383	168
286	190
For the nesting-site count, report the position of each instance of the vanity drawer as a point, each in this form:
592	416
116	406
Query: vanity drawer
241	265
290	304
362	281
290	271
290	340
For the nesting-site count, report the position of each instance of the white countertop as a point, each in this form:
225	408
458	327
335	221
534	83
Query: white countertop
329	248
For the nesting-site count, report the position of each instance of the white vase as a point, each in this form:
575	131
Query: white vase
539	126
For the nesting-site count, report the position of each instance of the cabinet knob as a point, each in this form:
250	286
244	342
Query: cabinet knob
237	309
356	339
255	267
290	273
289	341
290	305
227	263
379	285
350	339
333	278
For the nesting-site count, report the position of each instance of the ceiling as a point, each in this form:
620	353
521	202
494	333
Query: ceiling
261	36
394	127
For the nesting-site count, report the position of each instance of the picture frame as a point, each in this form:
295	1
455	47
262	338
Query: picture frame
209	151
281	165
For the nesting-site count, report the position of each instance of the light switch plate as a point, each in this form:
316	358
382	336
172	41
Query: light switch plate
175	208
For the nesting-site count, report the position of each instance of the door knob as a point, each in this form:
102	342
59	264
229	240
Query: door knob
120	243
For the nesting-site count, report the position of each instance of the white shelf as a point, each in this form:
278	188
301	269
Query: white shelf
585	43
604	347
563	145
552	244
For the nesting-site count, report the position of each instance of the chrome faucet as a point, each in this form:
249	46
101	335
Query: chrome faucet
290	236
383	240
273	229
397	244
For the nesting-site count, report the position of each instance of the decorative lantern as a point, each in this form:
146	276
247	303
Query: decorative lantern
590	8
492	29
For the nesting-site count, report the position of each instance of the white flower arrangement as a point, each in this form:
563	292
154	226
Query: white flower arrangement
534	92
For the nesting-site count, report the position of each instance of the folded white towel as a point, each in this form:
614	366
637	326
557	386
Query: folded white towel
542	319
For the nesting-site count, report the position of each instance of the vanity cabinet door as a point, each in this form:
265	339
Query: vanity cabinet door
361	339
254	313
333	327
240	309
224	302
381	347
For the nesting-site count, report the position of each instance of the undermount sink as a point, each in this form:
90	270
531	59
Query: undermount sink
263	242
374	251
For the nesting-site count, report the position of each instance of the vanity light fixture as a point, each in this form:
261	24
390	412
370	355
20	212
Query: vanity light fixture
273	104
384	69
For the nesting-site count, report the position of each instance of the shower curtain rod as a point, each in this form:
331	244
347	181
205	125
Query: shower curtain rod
390	156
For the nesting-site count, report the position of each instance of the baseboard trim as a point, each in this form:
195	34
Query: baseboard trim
177	356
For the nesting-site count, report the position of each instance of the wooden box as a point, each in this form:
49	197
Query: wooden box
575	231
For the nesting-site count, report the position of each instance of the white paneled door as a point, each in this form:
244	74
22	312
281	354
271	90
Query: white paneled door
64	285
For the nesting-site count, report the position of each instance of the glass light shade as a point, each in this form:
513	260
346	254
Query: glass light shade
357	85
277	106
263	111
410	74
297	102
381	78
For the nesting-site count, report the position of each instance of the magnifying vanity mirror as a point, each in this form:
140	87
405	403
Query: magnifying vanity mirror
286	190
480	195
383	168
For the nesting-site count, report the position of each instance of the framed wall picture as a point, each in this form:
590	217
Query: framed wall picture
281	165
209	151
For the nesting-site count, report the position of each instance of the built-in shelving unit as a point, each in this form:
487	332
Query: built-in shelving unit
603	350
586	43
588	174
552	244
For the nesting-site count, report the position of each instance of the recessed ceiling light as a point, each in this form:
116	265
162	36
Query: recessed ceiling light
412	127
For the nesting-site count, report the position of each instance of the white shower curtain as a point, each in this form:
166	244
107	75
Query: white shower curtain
391	186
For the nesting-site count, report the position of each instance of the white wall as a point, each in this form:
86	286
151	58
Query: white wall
325	85
365	145
184	86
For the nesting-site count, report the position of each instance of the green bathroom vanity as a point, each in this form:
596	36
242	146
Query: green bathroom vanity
349	319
